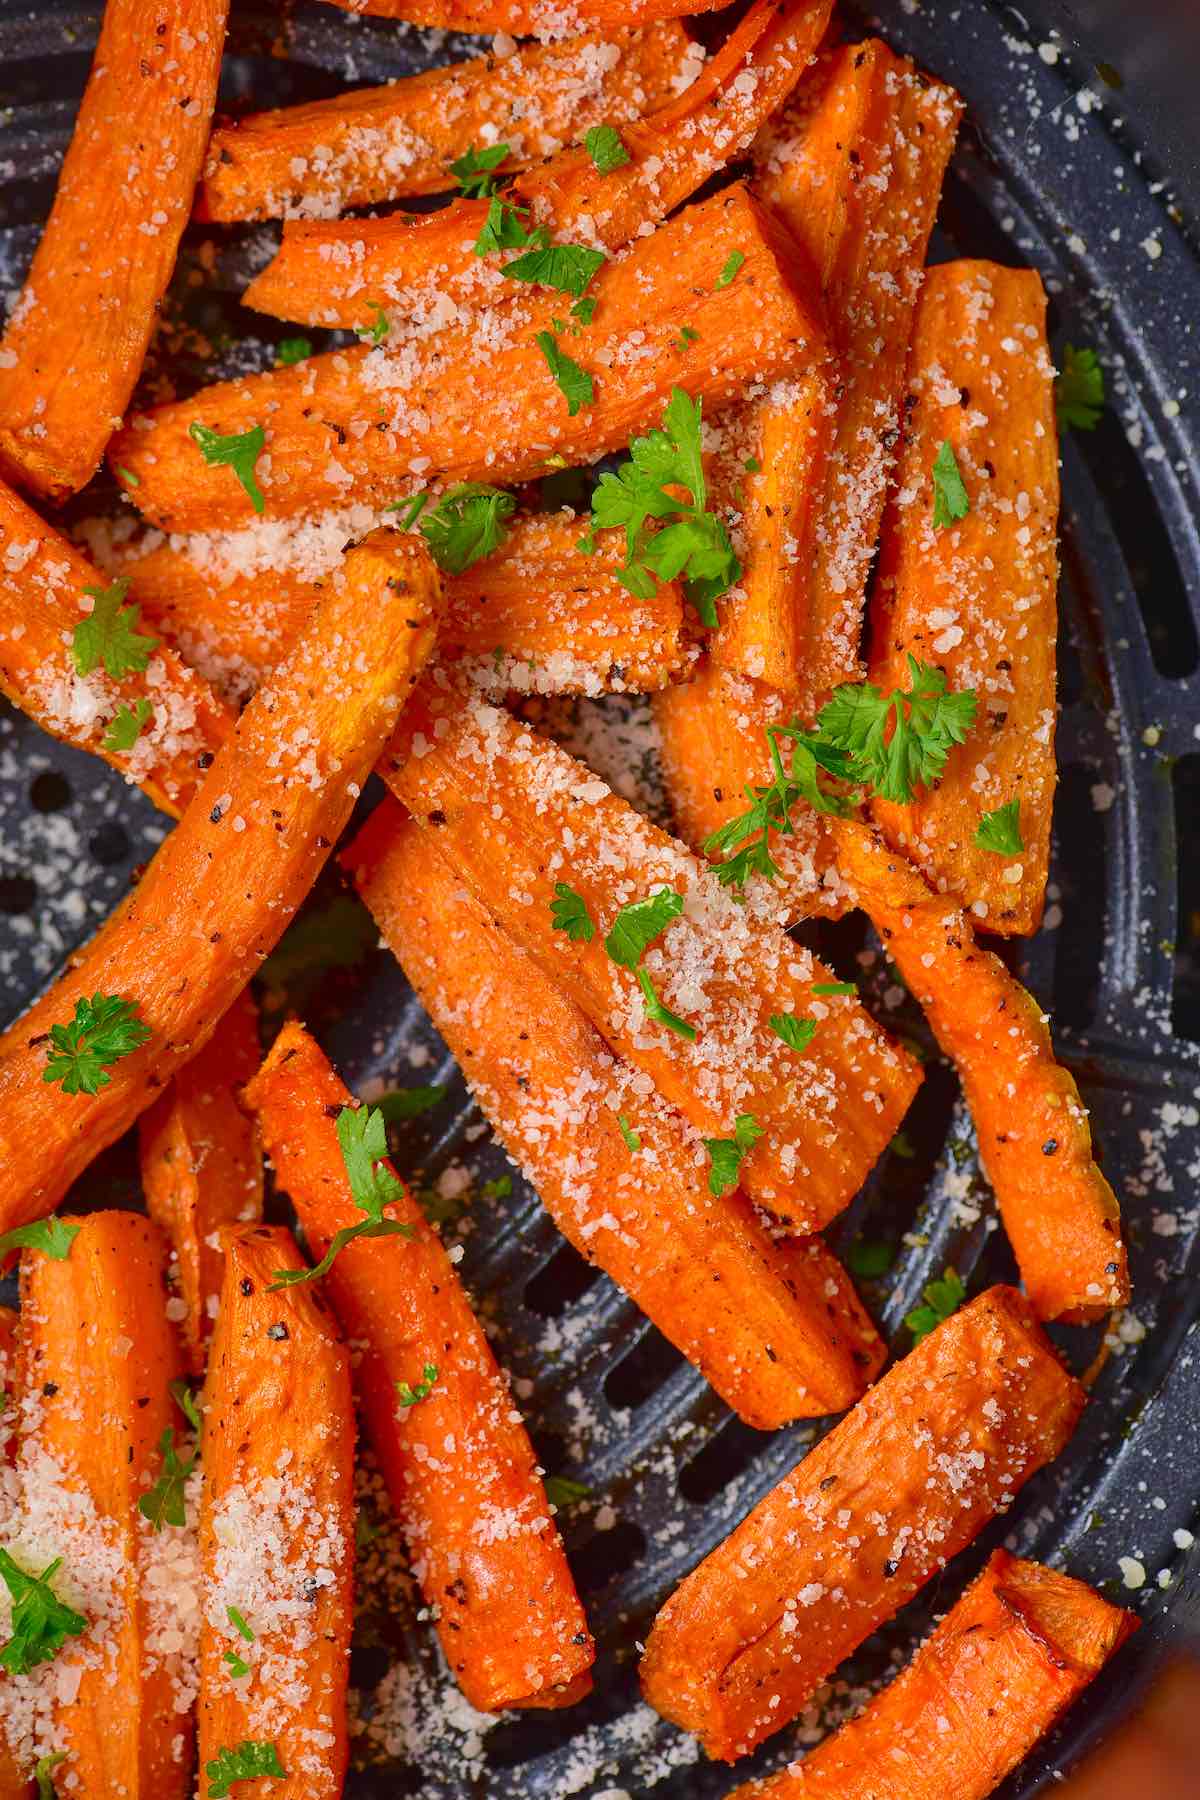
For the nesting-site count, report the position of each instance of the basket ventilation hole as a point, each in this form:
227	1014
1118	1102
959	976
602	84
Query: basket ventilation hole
642	1371
559	1282
725	1457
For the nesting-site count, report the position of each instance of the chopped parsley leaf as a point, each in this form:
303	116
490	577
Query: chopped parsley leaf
103	1030
604	146
660	1013
238	1666
796	1033
569	913
504	228
688	335
412	1396
1079	390
238	450
293	350
835	987
870	1258
164	1503
52	1236
109	636
562	1491
584	310
246	1761
127	725
377	329
733	263
468	523
1000	831
637	925
567	268
633	1142
499	1189
185	1400
575	383
362	1136
950	498
41	1623
238	1620
726	1154
941	1299
475	171
409	1103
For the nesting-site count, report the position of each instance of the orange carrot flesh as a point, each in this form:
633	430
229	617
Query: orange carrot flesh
1001	1668
218	894
459	1466
855	168
277	1524
349	424
516	815
384	143
979	597
44	583
76	339
99	1355
880	1505
202	1167
14	1784
333	274
1060	1214
526	18
779	1337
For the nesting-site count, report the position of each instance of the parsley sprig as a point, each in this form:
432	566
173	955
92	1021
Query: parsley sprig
574	382
941	1299
243	1762
41	1622
632	932
163	1504
362	1136
109	636
475	171
236	450
82	1052
695	543
1079	390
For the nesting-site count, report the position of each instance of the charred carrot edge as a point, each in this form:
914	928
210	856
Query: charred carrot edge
780	1336
100	1353
898	1487
1060	1214
537	614
218	894
515	814
978	598
1004	1664
76	339
384	143
494	414
43	596
510	1622
855	168
202	1167
278	1507
526	18
333	274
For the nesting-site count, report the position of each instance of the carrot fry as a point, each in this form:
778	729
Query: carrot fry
1061	1215
855	167
331	274
527	18
46	589
780	1337
220	891
99	1354
516	815
385	143
276	1523
13	1784
473	412
879	1506
459	1466
76	339
978	597
202	1167
535	615
1002	1667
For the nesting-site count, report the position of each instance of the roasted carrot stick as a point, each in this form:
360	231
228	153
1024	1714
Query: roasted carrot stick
460	1469
276	1524
76	338
779	1338
855	167
383	143
881	1504
1004	1664
349	424
202	1167
332	274
219	892
526	18
516	816
14	1783
47	590
99	1356
978	596
537	614
1061	1215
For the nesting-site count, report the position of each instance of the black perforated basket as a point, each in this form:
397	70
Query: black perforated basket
1062	167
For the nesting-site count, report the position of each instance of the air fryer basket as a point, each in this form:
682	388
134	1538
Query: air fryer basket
1049	172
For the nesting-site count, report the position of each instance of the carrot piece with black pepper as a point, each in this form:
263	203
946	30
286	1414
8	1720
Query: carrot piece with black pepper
218	894
879	1506
99	1354
996	1675
76	339
778	1331
386	143
460	1469
349	425
202	1167
977	594
276	1523
526	18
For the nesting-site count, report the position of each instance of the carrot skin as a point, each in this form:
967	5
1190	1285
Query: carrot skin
881	1504
459	1466
215	899
475	412
278	1507
201	1165
1001	1668
76	339
386	143
978	598
779	1332
100	1354
525	18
